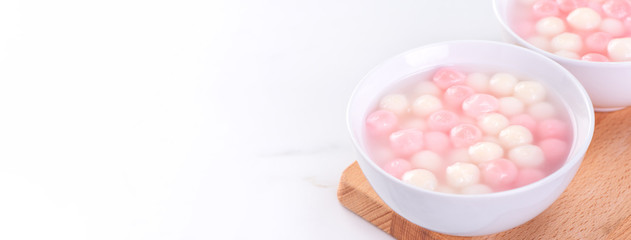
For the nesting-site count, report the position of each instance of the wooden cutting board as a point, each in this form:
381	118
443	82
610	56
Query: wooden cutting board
596	205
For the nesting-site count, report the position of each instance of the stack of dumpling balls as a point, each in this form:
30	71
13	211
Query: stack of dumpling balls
469	132
590	30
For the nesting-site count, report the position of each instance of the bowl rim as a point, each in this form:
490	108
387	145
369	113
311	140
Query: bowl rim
579	149
523	42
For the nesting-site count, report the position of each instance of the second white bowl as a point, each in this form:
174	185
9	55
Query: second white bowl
607	83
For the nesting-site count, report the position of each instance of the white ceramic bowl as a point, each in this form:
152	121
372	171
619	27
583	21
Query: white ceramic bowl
470	215
607	83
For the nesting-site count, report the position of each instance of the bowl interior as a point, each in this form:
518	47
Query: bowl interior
504	57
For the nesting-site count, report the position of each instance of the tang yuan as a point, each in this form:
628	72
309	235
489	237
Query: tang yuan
469	130
588	30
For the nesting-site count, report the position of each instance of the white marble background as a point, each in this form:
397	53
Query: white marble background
130	119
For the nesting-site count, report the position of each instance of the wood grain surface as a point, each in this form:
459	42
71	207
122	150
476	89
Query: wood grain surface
596	204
